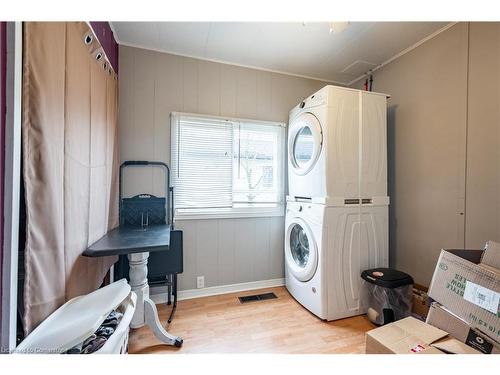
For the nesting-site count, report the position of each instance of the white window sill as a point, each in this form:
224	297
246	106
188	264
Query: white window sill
229	213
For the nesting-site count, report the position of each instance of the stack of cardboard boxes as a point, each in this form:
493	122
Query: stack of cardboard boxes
464	316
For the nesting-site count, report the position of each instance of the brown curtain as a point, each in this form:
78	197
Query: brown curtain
70	160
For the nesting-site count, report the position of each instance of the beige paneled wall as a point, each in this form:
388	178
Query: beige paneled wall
483	136
152	85
443	144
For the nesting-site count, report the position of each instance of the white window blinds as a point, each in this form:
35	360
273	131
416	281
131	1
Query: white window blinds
202	159
226	163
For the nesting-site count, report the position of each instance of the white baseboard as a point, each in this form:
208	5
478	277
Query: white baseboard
161	297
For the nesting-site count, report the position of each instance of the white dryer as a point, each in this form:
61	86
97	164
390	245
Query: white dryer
337	147
326	248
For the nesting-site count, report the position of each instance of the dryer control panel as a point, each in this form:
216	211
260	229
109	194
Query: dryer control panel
315	100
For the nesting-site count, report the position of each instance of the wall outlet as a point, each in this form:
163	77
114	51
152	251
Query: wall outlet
200	282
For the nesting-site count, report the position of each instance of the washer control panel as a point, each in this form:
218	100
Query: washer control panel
305	210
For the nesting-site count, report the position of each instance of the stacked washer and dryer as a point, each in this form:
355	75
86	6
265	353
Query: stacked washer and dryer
336	222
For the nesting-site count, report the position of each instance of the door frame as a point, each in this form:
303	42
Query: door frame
12	183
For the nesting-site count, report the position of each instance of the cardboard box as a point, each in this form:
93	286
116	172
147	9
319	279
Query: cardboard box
469	289
491	256
441	318
420	302
412	336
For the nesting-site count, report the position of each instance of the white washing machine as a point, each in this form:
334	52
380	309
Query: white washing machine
326	248
304	258
337	147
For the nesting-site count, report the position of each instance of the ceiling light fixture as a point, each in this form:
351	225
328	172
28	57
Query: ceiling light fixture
338	27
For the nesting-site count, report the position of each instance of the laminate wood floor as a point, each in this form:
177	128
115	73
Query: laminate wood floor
221	324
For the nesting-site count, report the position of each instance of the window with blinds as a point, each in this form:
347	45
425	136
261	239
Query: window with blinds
224	166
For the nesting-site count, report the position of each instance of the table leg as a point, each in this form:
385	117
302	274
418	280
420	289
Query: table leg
151	315
138	274
145	312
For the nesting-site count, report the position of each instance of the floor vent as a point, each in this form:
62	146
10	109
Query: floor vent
257	297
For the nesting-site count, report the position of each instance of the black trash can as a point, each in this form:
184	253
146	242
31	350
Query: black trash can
389	294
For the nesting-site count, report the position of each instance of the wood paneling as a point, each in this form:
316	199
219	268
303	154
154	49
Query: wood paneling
262	249
209	88
226	250
207	246
190	85
154	84
246	93
245	260
231	251
264	85
483	136
276	259
221	324
228	90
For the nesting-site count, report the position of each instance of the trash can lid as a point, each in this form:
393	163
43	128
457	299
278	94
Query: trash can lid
74	321
387	277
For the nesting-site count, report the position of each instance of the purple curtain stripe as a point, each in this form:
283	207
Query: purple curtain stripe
107	39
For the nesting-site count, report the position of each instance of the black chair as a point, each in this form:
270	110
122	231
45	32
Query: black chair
147	209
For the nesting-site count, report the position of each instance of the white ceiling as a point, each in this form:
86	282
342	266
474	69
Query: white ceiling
295	48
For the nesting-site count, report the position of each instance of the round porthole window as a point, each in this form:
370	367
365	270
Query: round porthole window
301	252
305	140
303	146
299	245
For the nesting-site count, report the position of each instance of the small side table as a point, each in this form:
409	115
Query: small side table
137	243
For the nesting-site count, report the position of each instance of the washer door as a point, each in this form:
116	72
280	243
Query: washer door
304	143
301	252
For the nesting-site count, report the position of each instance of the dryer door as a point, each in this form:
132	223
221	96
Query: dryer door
301	252
304	143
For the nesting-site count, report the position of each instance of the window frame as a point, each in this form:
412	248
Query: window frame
239	210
